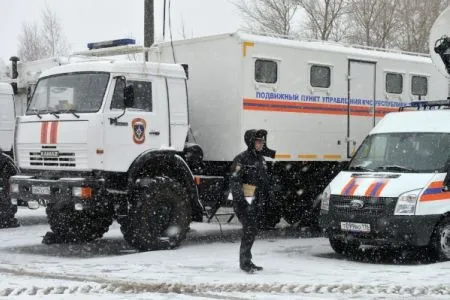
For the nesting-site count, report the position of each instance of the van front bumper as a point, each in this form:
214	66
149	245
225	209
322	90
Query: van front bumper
384	230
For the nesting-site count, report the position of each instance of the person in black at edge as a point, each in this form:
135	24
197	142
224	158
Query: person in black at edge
250	184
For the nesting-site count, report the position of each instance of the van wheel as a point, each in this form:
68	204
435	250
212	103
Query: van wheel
159	214
440	240
343	248
71	226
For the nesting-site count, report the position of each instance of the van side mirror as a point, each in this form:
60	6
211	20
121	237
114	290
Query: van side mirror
446	185
128	96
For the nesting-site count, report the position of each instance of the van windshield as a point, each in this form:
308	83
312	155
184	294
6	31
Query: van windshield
403	152
71	92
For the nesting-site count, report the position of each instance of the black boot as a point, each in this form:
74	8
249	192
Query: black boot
248	269
255	267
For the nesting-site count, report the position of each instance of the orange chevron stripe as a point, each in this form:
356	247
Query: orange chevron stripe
380	189
371	188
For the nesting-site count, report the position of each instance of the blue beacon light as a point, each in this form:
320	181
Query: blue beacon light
111	43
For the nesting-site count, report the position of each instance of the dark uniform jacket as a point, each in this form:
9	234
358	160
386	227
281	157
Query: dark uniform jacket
249	167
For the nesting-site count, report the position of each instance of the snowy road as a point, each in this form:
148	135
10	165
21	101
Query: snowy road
205	266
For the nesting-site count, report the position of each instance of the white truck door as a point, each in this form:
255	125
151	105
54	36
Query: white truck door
142	127
360	117
6	121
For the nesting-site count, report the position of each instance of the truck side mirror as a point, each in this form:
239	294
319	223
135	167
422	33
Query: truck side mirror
128	96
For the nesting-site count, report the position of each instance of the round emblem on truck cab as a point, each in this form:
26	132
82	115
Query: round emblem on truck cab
138	125
356	204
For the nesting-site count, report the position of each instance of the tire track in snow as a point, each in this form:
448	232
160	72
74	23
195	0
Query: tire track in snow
98	285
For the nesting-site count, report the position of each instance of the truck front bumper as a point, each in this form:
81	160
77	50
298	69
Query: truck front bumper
83	193
391	230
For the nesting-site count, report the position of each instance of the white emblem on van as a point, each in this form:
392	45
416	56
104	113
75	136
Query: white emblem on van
356	204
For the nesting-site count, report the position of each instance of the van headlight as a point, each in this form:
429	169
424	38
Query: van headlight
325	199
406	203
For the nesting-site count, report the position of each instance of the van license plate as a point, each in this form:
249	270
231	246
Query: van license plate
355	227
40	190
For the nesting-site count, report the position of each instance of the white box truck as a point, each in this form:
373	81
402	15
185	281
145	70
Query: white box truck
298	91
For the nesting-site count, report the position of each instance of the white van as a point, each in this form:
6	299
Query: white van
395	190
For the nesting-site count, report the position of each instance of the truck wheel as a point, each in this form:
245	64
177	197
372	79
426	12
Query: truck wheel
159	214
343	248
440	240
7	210
72	226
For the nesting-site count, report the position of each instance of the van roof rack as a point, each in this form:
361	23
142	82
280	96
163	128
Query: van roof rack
436	104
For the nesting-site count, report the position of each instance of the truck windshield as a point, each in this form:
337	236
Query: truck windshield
403	152
71	92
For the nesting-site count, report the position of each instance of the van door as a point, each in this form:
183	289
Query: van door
361	107
142	127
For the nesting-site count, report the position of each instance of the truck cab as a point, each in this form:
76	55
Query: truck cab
395	190
97	138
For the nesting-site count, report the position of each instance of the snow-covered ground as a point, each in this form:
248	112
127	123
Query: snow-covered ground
296	266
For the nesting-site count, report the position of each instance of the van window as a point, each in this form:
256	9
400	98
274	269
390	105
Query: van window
320	76
142	95
419	85
266	71
394	83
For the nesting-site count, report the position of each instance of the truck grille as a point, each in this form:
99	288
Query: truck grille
373	206
49	156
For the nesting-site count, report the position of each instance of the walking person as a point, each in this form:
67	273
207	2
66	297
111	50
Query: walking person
250	187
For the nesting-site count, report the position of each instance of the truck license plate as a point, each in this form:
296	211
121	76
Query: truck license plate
355	227
40	190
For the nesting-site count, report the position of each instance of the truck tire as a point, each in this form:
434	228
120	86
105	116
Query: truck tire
159	214
440	240
72	226
7	210
343	248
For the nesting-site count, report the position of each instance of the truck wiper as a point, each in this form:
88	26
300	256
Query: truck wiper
36	112
360	168
71	111
395	168
55	113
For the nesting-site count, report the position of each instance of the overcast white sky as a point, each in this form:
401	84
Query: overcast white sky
86	21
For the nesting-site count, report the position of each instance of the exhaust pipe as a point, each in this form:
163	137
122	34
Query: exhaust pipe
14	72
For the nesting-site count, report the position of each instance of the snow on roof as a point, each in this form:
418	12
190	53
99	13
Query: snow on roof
313	45
319	45
414	121
113	66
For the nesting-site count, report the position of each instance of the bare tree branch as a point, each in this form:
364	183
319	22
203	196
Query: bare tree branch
323	17
271	16
47	41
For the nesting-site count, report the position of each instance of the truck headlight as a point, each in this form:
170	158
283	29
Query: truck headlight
14	188
325	199
406	203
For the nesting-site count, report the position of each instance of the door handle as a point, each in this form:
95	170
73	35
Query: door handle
154	132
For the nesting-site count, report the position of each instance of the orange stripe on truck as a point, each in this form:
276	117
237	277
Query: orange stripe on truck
314	108
54	133
44	127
